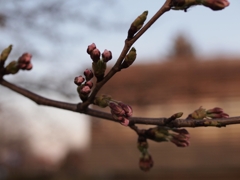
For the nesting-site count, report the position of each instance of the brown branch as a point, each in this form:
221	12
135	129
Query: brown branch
107	116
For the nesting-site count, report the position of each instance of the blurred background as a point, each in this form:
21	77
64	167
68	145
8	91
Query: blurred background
185	60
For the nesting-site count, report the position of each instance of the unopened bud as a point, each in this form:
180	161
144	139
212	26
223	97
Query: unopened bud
89	84
128	109
216	4
181	139
25	58
99	69
107	55
91	48
146	162
102	101
95	55
79	80
116	109
88	74
130	58
29	66
12	68
5	53
85	90
200	113
137	24
125	122
157	134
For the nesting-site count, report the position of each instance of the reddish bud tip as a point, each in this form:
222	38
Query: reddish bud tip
88	74
95	55
85	90
216	4
146	162
107	55
79	80
89	84
91	47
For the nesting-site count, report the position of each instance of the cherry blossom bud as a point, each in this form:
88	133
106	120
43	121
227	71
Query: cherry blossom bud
88	74
116	109
89	84
146	162
216	4
107	55
99	69
181	139
79	80
200	113
130	58
215	110
216	113
127	109
29	66
125	122
137	24
91	48
85	90
102	101
5	53
220	115
95	55
157	134
25	58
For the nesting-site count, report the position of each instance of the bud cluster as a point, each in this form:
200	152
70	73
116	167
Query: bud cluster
99	64
215	5
120	112
161	134
23	63
84	86
181	139
214	113
145	161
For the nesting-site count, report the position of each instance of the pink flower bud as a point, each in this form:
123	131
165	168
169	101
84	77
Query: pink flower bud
128	109
217	113
216	4
146	162
85	90
25	58
181	139
116	109
95	55
215	110
107	55
88	74
125	122
91	48
29	66
79	80
89	84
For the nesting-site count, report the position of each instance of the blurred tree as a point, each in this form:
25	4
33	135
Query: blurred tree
182	49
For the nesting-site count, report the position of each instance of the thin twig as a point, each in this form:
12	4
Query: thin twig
107	116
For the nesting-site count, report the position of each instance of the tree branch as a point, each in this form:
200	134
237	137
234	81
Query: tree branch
107	116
